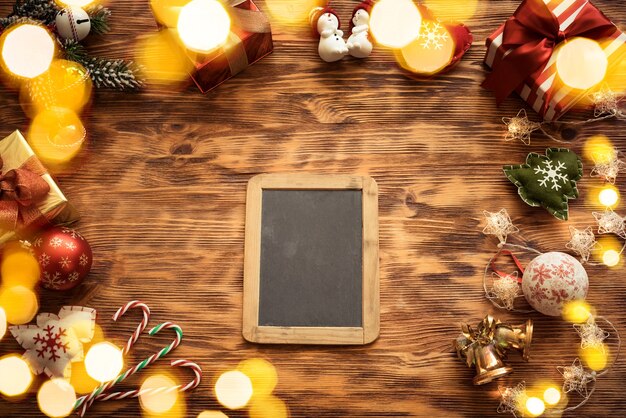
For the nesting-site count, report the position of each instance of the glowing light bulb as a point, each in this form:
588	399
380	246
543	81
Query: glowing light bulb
609	196
56	398
611	258
233	389
3	323
577	311
104	362
535	406
203	25
581	63
552	396
15	376
395	23
27	50
20	304
158	402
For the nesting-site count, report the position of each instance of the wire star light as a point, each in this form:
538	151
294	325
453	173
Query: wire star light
512	399
499	224
520	127
582	243
610	222
506	289
605	102
591	335
608	165
576	378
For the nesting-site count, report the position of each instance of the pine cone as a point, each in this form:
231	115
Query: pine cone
115	74
43	10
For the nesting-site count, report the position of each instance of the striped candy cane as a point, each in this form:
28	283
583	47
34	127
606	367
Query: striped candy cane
155	391
142	325
86	401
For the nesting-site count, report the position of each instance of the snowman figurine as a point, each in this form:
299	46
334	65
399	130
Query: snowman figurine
359	43
332	47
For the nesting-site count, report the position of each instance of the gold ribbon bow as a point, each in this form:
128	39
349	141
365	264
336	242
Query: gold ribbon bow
21	189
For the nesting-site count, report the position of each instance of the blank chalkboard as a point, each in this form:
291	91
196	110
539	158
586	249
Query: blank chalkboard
311	260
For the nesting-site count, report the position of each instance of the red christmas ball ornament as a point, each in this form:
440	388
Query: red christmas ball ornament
64	257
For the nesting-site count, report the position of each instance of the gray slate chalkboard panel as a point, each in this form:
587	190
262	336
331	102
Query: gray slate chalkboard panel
311	258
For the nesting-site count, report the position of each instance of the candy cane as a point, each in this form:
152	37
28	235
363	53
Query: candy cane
142	325
87	400
155	391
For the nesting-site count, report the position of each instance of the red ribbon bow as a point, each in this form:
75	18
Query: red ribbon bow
531	35
21	190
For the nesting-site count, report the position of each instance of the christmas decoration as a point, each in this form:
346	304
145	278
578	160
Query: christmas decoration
591	335
553	279
576	378
486	345
499	224
520	53
583	242
56	340
360	43
512	399
520	127
331	46
506	289
608	166
548	181
73	23
64	257
610	222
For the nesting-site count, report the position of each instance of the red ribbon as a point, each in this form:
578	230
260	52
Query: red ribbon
531	35
515	260
21	190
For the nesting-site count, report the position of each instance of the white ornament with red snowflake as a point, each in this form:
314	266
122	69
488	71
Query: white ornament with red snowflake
57	340
553	279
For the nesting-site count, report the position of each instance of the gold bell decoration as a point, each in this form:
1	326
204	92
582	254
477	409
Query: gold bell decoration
485	346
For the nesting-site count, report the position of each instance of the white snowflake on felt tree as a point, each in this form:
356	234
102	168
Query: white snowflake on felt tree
432	35
551	174
56	341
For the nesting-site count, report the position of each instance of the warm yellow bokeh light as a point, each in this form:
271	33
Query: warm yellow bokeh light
56	135
212	414
608	196
166	11
262	374
430	52
76	3
600	149
20	304
158	402
203	25
20	268
163	59
104	361
452	10
577	311
552	396
27	50
15	376
3	323
395	23
611	258
581	63
268	407
233	389
291	11
535	406
595	358
56	398
80	379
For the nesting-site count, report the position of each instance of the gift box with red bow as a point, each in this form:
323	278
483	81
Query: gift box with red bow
521	53
29	197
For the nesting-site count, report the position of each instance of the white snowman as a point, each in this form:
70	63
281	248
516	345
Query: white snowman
332	47
359	43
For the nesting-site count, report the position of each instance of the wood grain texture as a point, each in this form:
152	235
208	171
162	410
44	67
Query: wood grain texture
162	186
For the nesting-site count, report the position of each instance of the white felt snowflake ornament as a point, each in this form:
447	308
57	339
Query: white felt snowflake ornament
57	340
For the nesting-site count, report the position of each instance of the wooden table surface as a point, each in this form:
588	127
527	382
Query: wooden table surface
161	188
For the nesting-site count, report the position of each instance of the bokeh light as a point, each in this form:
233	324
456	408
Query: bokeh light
56	398
75	3
15	376
552	395
595	358
56	135
3	323
430	52
212	414
535	406
27	50
395	23
80	379
611	258
452	10
577	311
261	373
608	196
166	11
233	389
291	11
581	63
158	402
610	250
104	361
20	304
203	25
164	61
20	268
599	148
268	407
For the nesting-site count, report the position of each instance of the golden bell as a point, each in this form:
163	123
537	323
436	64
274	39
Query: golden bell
517	337
489	366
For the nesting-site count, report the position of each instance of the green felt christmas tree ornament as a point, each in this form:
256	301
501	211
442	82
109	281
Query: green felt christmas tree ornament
548	180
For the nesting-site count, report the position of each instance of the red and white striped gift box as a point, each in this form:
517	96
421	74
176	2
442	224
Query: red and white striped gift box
533	91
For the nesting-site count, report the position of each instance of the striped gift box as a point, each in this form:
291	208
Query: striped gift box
563	98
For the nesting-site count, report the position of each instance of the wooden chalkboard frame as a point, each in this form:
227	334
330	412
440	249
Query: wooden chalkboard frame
252	262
